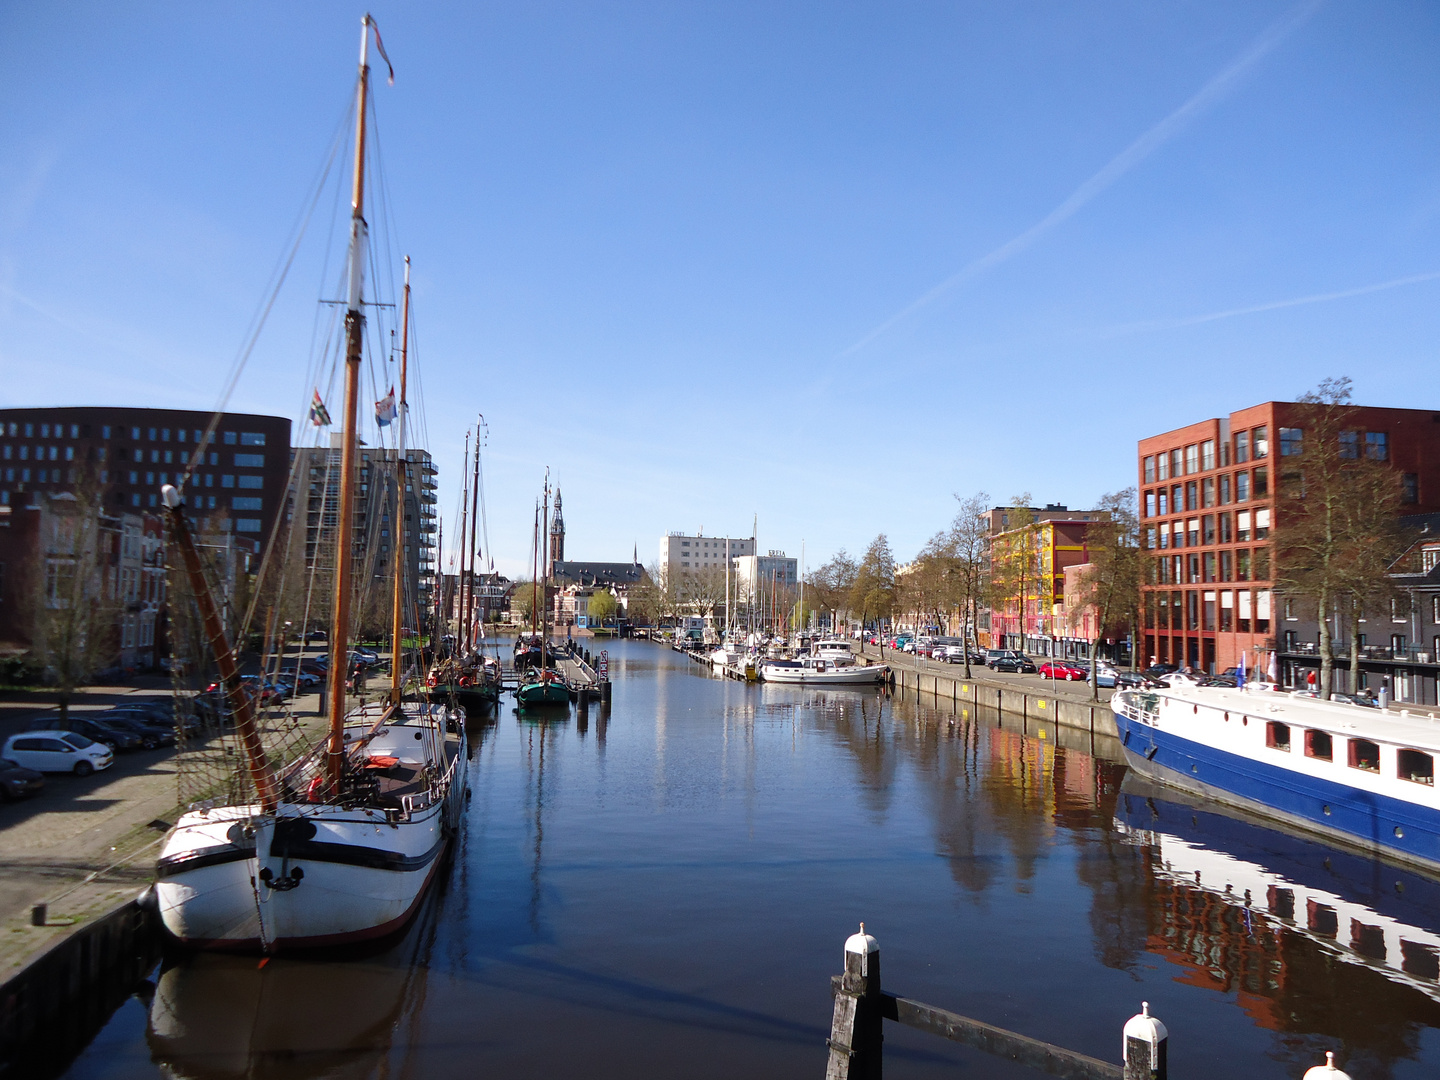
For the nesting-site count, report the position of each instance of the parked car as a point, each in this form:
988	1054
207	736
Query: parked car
1127	679
1159	671
165	716
1061	669
150	734
58	751
115	736
18	782
992	656
304	677
1015	662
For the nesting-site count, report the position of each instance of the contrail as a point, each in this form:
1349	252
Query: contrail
1117	167
1273	305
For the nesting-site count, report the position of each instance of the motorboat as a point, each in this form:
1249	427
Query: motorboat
814	670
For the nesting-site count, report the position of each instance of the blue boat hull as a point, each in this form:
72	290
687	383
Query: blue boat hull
1375	824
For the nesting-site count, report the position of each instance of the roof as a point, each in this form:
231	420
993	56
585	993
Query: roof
599	573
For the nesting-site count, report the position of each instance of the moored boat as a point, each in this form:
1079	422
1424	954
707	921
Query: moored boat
813	670
1356	775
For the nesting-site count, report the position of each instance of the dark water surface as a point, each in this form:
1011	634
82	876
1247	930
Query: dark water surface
666	892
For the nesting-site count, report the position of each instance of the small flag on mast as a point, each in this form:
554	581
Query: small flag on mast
385	410
319	415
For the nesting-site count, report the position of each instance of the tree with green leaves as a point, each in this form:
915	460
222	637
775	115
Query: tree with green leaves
1110	583
602	606
1336	532
873	592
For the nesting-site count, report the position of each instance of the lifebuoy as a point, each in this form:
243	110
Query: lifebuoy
312	793
430	679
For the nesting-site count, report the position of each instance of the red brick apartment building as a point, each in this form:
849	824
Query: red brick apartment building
1207	506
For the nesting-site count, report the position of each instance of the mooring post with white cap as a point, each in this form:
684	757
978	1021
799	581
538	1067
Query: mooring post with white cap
1328	1071
857	1030
1144	1047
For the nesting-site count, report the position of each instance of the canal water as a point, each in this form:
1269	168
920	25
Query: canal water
664	890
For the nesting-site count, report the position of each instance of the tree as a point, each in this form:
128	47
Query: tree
873	592
602	606
1015	561
76	595
523	599
970	568
1336	532
653	597
828	588
1111	583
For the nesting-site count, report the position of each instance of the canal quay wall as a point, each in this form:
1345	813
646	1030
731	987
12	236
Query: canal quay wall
1031	698
56	1003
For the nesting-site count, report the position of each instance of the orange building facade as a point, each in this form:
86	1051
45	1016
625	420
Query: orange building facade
1207	509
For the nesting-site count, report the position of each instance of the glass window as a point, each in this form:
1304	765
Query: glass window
227	481
1242	487
1207	525
1364	754
252	438
1350	445
152	434
1242	447
1192	459
250	525
1242	565
229	438
1415	766
1209	572
1164	498
1150	469
1262	523
1226	535
249	461
1207	492
1164	536
1162	467
165	434
135	434
1318	744
1259	443
1227	570
255	483
1192	529
1277	736
1410	487
1262	482
44	431
1175	466
214	458
1377	446
1260	567
1192	495
1207	455
244	502
1291	439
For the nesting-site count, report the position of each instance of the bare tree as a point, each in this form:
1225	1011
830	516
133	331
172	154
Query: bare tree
1336	533
970	570
828	588
873	592
78	605
1015	560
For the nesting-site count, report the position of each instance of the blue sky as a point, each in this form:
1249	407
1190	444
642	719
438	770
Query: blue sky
824	263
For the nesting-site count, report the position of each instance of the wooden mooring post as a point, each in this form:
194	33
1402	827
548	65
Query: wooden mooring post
861	1008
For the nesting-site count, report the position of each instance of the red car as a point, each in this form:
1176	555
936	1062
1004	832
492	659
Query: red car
1059	669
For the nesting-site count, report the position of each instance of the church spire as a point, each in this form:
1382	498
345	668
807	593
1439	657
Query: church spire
557	533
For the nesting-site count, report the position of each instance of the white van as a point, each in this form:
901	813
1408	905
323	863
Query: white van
58	751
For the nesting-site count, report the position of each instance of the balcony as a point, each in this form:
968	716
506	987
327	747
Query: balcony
1410	654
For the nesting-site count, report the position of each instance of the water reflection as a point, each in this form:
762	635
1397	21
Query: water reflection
589	924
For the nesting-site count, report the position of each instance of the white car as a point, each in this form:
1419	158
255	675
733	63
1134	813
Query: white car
58	751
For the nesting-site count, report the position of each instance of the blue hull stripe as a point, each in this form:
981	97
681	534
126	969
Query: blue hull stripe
1361	816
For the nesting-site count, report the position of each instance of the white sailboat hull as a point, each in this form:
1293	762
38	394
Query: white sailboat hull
851	675
359	878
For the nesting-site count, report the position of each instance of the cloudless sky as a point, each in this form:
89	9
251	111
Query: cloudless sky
823	263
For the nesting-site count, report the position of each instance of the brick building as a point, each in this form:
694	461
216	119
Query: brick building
1037	555
1207	507
127	454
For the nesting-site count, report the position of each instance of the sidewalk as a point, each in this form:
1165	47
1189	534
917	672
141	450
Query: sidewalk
1077	692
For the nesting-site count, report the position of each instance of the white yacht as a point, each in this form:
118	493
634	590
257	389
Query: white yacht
817	671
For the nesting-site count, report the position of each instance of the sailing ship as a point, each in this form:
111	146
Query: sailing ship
340	844
546	686
465	676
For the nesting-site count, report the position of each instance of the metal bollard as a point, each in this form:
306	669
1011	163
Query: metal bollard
856	1031
1328	1071
1144	1046
38	914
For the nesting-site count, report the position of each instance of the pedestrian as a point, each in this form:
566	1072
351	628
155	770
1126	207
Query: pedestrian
1311	679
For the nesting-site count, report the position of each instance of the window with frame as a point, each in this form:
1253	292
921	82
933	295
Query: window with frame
1410	488
1149	504
1162	466
1150	469
1416	766
1319	745
1192	495
1207	525
1365	755
1242	447
1207	492
1377	446
1227	566
1259	443
249	461
1261	486
1277	736
1349	445
1192	459
252	438
1242	565
1207	455
1242	487
1291	441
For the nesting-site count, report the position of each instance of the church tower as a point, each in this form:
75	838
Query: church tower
557	534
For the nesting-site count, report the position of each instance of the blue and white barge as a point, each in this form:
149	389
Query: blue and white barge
1357	775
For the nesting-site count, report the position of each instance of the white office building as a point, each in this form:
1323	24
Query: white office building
682	554
757	575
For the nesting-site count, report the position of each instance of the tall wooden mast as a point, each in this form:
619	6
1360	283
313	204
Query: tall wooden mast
354	336
472	638
397	522
460	640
